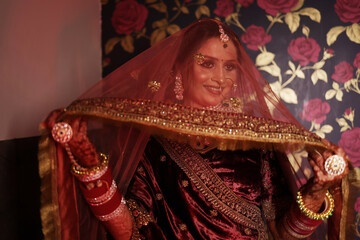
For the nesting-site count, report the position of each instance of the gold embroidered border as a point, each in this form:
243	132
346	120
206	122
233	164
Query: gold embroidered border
213	188
225	130
140	215
49	210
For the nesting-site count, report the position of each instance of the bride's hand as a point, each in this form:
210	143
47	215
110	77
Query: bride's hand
80	145
317	162
314	191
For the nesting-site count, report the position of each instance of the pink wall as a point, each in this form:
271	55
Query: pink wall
49	54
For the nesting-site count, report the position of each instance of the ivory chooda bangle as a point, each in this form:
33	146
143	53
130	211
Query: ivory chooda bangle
329	207
116	212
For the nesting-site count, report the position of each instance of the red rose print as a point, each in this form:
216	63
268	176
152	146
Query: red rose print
348	10
315	110
245	3
350	142
348	111
343	72
129	16
356	62
330	51
304	50
224	8
357	205
255	36
272	7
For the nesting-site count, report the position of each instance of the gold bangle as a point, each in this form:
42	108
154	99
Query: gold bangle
90	174
329	207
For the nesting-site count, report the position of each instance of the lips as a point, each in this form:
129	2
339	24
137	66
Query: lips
217	90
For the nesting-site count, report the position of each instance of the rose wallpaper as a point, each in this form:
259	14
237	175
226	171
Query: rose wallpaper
308	50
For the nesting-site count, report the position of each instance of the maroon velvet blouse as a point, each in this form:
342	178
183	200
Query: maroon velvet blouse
178	193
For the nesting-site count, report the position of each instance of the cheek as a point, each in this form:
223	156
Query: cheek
227	89
200	76
232	75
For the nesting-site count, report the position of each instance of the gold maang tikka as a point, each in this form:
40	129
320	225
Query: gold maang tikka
223	36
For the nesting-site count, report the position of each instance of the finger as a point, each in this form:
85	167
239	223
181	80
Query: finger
329	144
51	119
340	151
75	124
320	177
315	155
319	159
83	126
327	154
316	170
337	150
314	166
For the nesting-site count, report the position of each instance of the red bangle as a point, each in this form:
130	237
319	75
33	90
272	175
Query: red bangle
116	212
298	225
108	206
101	199
106	181
104	198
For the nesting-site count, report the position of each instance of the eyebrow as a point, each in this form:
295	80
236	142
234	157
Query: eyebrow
214	58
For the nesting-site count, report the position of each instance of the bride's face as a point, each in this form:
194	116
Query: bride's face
213	79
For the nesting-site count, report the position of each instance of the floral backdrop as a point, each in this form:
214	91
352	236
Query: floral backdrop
308	50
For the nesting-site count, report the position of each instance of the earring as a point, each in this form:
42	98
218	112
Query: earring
234	87
178	89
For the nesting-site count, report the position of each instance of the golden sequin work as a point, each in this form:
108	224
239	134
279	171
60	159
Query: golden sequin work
225	130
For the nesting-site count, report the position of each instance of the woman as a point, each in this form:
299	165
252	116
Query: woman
198	148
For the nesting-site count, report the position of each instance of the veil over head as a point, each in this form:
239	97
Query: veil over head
143	98
142	93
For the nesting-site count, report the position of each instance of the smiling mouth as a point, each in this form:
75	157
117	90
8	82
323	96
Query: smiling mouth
214	90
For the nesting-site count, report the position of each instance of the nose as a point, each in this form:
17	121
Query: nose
219	76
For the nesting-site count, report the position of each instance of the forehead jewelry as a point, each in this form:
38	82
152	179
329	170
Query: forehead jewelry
199	58
223	36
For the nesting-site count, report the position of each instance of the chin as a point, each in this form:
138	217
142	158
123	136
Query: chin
212	103
215	101
209	101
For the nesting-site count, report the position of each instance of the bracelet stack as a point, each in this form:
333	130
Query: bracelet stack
329	207
100	190
91	174
300	222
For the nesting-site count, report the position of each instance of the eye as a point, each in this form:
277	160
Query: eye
207	64
229	66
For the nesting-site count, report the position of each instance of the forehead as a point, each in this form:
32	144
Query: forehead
213	47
